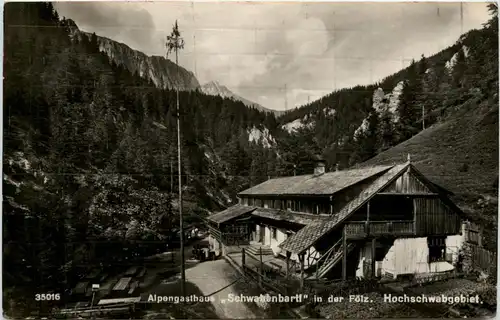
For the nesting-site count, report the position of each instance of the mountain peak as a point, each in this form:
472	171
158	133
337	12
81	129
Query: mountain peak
215	84
214	88
69	23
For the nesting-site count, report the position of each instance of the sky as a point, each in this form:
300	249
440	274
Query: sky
282	55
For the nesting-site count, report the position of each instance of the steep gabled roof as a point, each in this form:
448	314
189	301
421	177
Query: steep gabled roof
230	213
325	184
308	235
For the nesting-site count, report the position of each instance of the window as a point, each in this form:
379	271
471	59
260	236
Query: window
242	229
274	233
269	203
307	207
277	204
437	248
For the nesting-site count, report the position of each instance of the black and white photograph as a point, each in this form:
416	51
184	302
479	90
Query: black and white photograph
250	160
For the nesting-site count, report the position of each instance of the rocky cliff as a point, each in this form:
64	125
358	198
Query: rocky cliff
163	72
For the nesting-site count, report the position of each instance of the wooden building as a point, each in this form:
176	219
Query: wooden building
342	223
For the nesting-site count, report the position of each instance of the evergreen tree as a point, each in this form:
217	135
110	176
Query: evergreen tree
459	68
408	105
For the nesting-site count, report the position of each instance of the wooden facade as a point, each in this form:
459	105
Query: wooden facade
407	207
433	217
312	205
378	209
356	230
407	183
232	233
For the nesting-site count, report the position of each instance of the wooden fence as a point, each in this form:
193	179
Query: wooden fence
477	258
266	276
473	233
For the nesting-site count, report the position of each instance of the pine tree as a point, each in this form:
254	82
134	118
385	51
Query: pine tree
459	69
430	99
407	112
386	132
94	44
408	108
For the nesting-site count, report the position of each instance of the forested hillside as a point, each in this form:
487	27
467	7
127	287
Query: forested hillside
90	159
454	93
90	153
354	124
460	151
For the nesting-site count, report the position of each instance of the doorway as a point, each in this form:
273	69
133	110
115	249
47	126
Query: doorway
262	234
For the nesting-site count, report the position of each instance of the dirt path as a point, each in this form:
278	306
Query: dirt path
212	276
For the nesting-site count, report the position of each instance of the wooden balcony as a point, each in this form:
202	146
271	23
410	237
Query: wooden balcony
362	229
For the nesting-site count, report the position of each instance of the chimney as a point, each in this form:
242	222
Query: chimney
319	166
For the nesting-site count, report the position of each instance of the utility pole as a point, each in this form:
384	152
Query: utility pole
171	176
461	18
174	43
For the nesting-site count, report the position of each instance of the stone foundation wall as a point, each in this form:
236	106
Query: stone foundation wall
476	258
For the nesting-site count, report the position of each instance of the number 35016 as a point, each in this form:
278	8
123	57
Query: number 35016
47	296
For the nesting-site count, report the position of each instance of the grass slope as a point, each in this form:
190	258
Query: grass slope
460	154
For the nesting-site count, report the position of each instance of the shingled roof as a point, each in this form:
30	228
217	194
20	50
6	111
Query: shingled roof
325	184
230	213
308	235
289	216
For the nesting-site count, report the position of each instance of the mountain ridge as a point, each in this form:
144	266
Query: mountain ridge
69	108
215	88
162	71
338	128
